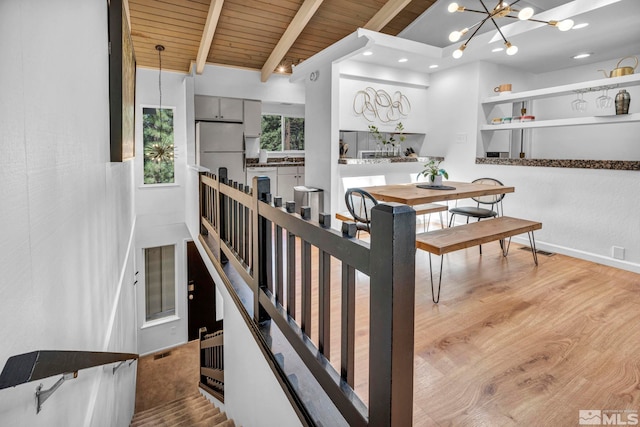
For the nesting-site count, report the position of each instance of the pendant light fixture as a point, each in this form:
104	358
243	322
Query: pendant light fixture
161	150
501	10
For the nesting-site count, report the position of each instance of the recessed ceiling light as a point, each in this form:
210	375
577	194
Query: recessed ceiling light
367	53
498	49
433	66
578	26
402	60
582	56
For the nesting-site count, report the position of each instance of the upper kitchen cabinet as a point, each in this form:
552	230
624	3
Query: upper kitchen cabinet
252	118
219	109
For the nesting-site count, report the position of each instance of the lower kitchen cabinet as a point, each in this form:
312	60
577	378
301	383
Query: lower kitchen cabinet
289	177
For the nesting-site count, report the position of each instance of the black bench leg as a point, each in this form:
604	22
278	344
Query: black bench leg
505	245
532	243
435	297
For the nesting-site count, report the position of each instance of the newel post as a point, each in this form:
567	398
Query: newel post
392	295
261	193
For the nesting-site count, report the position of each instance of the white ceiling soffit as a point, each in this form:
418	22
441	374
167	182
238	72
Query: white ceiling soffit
612	32
386	50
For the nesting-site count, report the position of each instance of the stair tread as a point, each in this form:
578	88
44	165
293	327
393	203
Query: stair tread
165	406
187	419
213	421
196	418
178	414
189	411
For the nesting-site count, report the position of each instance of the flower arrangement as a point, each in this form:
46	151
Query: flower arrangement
432	170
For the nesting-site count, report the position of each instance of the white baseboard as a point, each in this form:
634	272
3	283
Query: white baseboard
587	256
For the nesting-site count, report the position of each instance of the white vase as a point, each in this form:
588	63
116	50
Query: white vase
435	180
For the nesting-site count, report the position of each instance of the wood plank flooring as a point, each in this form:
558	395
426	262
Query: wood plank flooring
512	344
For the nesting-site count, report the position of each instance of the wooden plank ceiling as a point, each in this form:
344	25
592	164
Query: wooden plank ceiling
248	31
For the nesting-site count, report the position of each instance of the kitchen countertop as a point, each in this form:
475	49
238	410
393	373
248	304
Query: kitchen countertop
381	160
275	162
562	163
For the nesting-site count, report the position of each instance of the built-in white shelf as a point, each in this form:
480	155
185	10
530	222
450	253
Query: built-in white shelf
575	121
591	85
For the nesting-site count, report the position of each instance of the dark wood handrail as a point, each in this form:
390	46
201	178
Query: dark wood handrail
40	364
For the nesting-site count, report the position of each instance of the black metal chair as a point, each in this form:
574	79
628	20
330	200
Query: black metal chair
359	204
493	202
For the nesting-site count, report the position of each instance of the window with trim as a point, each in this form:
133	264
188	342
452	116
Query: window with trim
157	137
160	280
282	133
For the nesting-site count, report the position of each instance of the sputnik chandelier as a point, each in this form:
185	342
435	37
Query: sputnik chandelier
501	10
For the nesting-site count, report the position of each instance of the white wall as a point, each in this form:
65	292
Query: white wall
249	381
246	84
584	212
351	85
160	208
66	218
601	142
321	133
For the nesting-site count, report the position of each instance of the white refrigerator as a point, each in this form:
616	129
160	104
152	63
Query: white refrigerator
221	145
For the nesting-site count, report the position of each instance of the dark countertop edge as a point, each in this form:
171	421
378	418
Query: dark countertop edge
387	160
273	164
563	163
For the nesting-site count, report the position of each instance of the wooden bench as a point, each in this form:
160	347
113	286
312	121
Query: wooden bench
440	242
425	209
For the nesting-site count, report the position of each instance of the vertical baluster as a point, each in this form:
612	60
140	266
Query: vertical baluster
234	229
269	258
305	270
324	298
241	227
279	262
262	229
222	212
348	322
291	275
247	236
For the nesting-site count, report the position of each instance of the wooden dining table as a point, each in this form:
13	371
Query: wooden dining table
412	195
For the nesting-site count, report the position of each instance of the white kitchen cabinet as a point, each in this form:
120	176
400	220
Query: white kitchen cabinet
219	109
252	118
289	177
272	173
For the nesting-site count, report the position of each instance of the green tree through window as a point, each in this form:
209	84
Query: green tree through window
282	133
157	137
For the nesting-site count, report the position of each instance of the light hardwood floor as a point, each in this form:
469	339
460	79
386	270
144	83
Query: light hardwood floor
512	344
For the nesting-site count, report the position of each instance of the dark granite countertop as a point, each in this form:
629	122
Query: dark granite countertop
563	163
385	160
275	162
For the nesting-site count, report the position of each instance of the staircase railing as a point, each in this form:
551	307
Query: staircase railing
282	254
41	364
212	363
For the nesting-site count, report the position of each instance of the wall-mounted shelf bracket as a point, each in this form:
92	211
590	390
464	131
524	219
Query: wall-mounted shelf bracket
115	368
43	395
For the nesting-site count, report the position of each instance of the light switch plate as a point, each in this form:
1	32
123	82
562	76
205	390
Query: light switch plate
461	138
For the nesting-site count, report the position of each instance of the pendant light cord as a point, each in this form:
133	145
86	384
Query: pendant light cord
160	48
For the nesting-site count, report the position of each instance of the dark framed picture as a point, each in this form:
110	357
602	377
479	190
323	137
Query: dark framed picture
122	84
